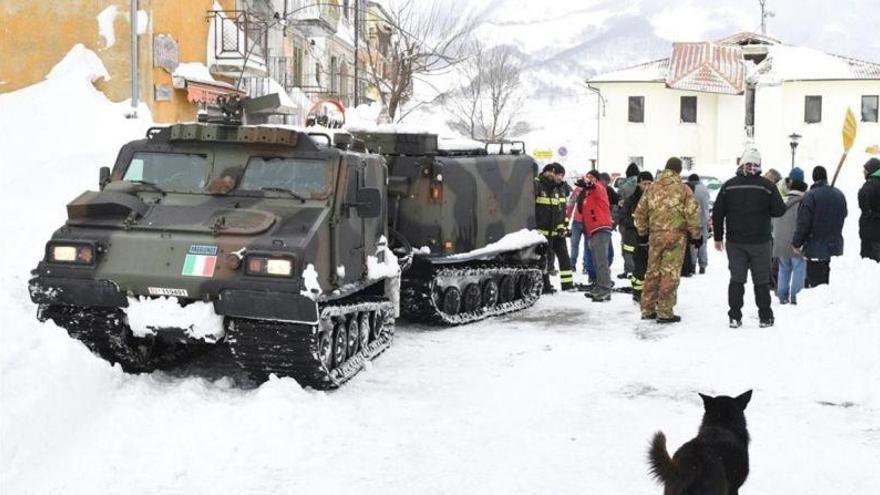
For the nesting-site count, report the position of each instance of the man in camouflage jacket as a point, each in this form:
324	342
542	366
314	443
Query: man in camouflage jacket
668	213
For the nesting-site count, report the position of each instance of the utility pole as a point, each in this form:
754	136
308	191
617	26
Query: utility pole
357	29
133	14
764	15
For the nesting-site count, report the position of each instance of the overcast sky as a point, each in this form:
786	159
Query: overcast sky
845	27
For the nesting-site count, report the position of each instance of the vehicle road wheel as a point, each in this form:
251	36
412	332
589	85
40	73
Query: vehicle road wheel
451	301
378	322
472	297
506	289
325	344
490	293
353	331
363	319
340	340
523	286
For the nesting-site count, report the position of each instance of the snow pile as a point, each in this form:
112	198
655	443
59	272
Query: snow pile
387	268
310	282
510	242
79	64
198	319
194	71
105	25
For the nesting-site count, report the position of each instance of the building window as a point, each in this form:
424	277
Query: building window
870	108
688	109
345	8
637	109
813	109
638	160
750	106
687	163
334	81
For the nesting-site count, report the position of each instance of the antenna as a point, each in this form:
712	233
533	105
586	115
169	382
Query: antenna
765	14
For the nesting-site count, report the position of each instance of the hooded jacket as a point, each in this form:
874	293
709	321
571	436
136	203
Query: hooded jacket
820	222
591	206
784	226
869	204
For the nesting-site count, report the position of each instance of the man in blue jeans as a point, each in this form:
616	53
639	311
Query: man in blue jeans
578	232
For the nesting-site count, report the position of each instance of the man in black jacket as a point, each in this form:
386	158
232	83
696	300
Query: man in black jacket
744	206
869	203
550	218
819	233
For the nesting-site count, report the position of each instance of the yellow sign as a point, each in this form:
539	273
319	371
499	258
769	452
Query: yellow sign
873	150
850	128
542	154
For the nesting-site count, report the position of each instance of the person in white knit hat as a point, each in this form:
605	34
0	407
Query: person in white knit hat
743	207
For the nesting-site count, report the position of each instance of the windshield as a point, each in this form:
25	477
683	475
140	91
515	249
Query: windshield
175	171
303	177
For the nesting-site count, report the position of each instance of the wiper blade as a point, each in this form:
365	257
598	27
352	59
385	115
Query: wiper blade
281	189
147	183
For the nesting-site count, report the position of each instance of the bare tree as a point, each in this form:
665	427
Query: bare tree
426	41
488	102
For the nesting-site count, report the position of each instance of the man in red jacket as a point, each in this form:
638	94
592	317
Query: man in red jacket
593	207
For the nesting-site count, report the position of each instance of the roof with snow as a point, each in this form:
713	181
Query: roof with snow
719	67
707	67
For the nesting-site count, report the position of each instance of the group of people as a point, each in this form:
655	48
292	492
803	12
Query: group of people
773	228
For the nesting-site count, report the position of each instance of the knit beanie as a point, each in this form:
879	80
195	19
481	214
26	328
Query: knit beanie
872	165
796	173
632	170
751	155
819	173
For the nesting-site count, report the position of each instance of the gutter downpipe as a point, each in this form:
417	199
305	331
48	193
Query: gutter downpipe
600	104
133	15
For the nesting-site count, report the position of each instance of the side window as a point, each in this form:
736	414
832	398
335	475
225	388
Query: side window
637	109
688	111
870	108
813	109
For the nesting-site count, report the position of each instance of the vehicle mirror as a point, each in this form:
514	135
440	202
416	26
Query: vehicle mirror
369	202
103	177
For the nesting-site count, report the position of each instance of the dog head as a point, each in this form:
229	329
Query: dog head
727	412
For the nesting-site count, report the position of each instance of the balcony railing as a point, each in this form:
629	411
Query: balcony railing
238	44
314	20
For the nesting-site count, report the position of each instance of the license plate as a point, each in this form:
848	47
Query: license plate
164	291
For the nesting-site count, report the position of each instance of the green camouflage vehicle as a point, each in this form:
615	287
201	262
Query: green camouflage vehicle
279	244
463	210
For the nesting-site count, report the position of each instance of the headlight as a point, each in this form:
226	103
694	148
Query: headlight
269	266
78	254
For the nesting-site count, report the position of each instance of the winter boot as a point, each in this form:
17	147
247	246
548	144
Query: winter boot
766	323
649	316
735	323
670	319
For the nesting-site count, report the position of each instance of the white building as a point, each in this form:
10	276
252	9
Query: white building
710	100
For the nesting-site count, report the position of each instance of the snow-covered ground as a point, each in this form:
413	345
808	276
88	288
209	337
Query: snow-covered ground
560	398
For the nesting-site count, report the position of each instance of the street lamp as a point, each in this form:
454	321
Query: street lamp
794	138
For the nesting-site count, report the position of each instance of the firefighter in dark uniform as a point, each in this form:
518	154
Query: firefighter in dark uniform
550	200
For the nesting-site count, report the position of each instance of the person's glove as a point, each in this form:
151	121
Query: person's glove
697	242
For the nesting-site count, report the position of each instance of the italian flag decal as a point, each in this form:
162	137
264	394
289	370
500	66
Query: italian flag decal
200	261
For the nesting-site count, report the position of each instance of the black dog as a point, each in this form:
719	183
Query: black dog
716	461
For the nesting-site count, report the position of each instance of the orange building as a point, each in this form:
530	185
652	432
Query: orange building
36	34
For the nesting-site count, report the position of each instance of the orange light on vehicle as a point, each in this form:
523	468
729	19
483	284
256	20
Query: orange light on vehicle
436	192
448	246
255	265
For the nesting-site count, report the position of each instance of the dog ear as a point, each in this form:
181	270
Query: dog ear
743	399
706	400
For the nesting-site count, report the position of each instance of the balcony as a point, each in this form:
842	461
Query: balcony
315	20
236	44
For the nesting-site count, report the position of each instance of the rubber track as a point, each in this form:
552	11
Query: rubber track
262	347
417	303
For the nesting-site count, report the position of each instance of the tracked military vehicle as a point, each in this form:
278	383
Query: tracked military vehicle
463	210
282	244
